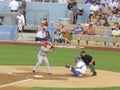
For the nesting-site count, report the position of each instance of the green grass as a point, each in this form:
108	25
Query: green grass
111	88
27	55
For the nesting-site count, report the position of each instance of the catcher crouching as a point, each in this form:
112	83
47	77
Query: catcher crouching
80	69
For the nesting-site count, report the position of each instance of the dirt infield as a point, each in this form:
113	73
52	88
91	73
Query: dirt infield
21	78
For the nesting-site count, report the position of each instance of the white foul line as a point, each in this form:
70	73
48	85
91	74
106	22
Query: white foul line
14	83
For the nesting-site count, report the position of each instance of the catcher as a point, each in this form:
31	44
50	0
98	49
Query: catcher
80	69
45	48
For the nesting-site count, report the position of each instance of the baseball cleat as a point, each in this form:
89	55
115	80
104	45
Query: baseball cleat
94	74
33	71
49	73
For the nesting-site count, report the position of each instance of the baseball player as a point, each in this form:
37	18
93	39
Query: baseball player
80	69
45	48
89	61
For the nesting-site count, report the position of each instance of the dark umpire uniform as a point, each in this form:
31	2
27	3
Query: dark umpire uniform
89	61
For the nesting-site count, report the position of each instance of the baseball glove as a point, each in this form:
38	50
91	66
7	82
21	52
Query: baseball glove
67	66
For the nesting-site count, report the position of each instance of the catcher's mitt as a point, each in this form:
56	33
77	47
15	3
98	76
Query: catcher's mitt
67	66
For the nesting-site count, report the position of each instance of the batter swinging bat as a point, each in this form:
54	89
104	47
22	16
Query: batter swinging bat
52	46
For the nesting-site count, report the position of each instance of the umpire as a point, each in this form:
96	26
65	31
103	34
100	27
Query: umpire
89	61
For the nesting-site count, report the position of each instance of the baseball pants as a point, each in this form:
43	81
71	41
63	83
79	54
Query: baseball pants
40	59
76	73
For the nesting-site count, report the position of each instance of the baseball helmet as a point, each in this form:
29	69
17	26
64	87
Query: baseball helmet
45	43
77	58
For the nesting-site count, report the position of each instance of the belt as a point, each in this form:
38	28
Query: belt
13	10
42	55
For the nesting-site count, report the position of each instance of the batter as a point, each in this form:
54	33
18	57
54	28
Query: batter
45	48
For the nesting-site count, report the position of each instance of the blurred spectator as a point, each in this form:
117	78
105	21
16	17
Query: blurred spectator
112	4
23	8
102	9
97	2
67	37
61	29
100	17
1	20
106	23
89	21
118	6
41	35
94	9
108	11
41	26
75	10
94	16
89	1
78	29
70	13
116	32
115	10
97	23
115	25
112	17
118	16
90	30
21	21
70	5
13	5
105	2
45	22
57	38
70	16
48	38
52	28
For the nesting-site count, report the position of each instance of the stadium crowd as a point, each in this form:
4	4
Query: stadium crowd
102	12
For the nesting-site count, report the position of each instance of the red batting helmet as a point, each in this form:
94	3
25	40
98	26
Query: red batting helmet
45	43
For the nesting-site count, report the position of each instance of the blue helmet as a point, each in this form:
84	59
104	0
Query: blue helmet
77	58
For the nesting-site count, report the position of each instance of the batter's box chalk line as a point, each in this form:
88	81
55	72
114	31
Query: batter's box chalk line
15	83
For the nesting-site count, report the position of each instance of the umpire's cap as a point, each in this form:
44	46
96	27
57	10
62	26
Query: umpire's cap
82	51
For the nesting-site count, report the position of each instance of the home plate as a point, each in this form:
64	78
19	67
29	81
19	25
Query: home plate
38	76
11	73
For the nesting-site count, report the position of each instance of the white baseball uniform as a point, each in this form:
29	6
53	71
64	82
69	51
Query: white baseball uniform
42	57
80	70
82	67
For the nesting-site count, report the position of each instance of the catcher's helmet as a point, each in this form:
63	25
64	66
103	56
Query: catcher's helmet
77	58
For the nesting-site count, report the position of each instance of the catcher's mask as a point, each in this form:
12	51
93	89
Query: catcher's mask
77	59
